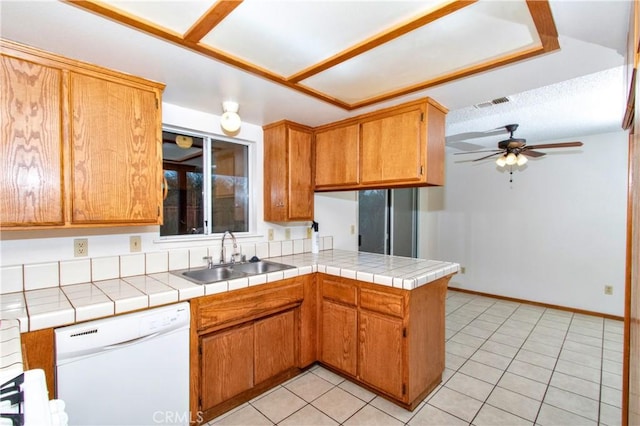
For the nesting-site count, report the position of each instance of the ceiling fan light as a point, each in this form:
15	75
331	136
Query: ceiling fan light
511	159
501	161
521	160
230	120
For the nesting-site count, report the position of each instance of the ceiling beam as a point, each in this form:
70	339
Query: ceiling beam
212	17
380	39
539	9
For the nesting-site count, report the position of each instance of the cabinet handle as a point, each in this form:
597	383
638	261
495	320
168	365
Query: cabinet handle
165	188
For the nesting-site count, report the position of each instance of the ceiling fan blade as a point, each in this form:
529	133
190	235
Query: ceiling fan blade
465	146
555	145
534	154
488	156
472	135
475	152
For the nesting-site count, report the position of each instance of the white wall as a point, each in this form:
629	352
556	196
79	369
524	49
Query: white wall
555	235
336	213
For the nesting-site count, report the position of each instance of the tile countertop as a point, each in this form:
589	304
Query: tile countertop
68	304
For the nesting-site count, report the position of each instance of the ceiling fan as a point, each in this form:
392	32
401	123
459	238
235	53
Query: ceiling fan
514	151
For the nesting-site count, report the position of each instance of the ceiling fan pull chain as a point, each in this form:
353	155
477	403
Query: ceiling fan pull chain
510	174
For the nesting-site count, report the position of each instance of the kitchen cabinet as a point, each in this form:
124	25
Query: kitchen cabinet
227	365
288	172
387	339
401	146
81	144
246	341
336	150
339	335
275	345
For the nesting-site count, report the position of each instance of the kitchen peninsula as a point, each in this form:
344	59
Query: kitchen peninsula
377	320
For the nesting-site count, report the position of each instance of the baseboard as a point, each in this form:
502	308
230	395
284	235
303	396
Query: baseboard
544	305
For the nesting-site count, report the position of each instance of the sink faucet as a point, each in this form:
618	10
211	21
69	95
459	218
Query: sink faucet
235	247
209	260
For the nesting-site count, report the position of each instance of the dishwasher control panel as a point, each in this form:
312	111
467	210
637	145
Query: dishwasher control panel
155	322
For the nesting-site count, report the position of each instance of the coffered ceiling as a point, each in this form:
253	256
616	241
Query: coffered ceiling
576	89
348	53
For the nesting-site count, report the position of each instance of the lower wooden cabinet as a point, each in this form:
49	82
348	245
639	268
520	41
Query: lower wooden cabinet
226	365
246	341
381	353
339	336
275	345
387	339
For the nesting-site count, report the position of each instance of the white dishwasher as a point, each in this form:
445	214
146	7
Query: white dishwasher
129	370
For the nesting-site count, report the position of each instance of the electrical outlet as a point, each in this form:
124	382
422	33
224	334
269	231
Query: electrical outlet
270	234
287	234
353	229
608	290
135	243
463	269
309	231
81	247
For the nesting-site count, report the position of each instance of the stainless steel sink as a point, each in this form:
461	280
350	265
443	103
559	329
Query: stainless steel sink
230	271
218	273
261	267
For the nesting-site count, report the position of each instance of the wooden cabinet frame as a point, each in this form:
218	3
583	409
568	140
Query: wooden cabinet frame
95	153
401	146
276	325
405	358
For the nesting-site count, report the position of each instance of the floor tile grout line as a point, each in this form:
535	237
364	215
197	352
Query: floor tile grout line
507	367
549	385
544	395
601	375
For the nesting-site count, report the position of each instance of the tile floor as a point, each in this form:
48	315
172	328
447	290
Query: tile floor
506	364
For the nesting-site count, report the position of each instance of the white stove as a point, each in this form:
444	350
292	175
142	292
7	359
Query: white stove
24	398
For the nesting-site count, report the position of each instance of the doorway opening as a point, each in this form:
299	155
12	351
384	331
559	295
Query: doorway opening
387	221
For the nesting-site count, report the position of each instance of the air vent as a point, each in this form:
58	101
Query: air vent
84	333
491	103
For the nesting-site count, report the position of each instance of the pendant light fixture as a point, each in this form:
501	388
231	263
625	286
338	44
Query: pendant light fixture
230	120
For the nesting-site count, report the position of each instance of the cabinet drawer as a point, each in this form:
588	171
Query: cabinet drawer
340	292
247	304
385	303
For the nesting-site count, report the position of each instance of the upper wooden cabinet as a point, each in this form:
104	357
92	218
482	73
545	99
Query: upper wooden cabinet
336	148
401	146
81	145
288	172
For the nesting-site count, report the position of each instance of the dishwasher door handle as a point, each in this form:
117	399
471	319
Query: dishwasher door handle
131	342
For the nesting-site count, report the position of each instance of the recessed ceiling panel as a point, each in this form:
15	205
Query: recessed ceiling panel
288	36
474	35
176	16
349	53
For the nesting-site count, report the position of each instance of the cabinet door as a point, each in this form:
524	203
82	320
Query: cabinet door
392	149
380	353
275	345
275	173
226	365
336	156
115	152
339	336
300	184
31	184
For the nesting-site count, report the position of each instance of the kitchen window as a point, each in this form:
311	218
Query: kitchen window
206	184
